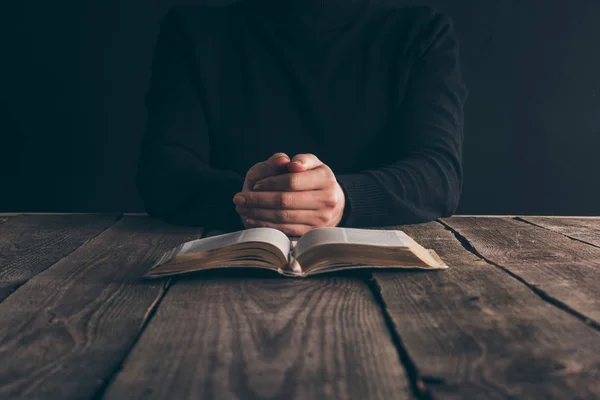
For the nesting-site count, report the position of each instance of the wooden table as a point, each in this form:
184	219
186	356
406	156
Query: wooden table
517	315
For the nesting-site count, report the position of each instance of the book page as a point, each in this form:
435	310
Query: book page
267	235
371	237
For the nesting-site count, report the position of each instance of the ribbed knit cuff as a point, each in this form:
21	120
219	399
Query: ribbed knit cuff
366	205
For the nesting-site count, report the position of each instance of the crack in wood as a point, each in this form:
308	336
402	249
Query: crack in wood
521	219
154	306
417	383
433	380
145	321
533	287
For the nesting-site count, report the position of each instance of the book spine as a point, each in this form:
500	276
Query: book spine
291	274
293	264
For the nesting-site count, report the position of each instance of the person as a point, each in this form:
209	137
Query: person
299	114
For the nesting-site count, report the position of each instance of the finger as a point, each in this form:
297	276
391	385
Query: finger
259	171
304	162
287	217
278	162
289	230
308	200
318	178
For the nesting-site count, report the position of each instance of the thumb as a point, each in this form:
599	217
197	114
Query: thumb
278	162
275	165
304	162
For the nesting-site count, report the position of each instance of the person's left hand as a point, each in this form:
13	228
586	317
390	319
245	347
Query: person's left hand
306	197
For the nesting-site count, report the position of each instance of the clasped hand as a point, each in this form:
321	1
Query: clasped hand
291	195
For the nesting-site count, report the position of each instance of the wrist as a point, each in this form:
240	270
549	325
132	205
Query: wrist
342	212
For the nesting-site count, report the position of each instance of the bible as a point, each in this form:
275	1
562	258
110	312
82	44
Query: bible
318	251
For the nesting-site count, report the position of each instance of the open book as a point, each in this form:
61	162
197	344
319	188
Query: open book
318	251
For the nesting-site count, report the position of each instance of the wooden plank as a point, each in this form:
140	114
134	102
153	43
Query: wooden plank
584	229
65	331
245	338
559	269
15	214
516	216
31	243
475	332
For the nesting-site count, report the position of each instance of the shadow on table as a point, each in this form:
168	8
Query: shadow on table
256	273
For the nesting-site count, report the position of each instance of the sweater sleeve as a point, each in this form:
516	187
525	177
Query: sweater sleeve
174	177
425	183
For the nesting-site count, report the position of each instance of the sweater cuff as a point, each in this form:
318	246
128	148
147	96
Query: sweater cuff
366	204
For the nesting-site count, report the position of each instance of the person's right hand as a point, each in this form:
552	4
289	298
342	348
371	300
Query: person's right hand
275	165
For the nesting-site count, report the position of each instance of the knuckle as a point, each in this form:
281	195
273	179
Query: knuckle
293	182
284	200
259	170
277	155
249	202
279	200
255	167
253	173
309	158
330	199
323	217
282	216
301	157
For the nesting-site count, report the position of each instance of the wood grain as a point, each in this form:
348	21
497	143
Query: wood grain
475	332
244	338
31	243
65	331
563	270
584	229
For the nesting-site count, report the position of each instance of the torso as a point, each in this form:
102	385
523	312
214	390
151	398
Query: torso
336	96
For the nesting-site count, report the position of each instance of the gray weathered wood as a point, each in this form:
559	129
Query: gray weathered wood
265	338
557	267
66	330
475	332
584	229
31	243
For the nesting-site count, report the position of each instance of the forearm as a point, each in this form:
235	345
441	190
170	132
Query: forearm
423	178
418	189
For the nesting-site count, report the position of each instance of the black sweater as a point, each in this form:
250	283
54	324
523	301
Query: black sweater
375	93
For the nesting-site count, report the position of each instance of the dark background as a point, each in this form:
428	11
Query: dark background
73	74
